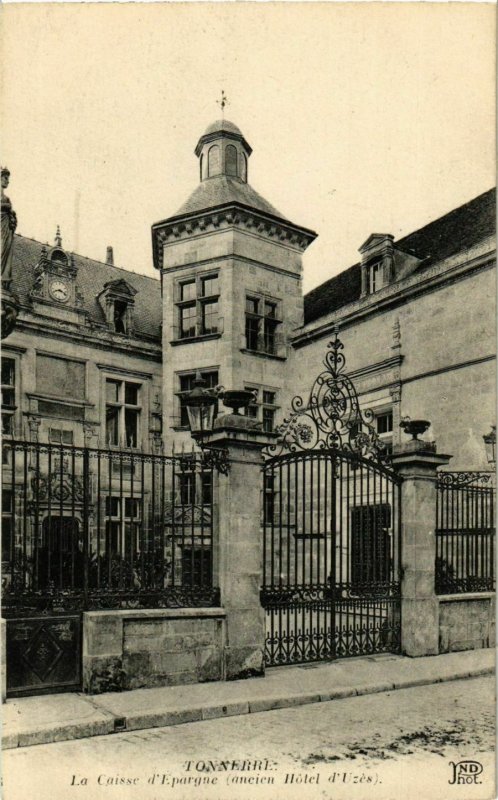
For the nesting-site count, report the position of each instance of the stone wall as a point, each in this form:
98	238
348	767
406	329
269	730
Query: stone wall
466	622
444	341
143	648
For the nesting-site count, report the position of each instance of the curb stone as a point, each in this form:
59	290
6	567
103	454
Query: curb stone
107	721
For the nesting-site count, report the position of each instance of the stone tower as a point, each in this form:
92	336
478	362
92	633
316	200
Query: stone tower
230	267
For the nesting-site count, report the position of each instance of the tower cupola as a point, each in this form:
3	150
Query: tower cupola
223	151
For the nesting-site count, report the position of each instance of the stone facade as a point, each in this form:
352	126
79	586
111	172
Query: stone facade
424	351
66	346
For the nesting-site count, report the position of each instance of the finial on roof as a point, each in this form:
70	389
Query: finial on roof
223	102
58	237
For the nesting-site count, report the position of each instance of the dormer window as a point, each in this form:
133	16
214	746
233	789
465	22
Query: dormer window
120	316
117	302
377	263
375	276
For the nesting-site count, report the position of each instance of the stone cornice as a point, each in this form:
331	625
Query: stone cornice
380	366
215	260
90	337
224	217
393	295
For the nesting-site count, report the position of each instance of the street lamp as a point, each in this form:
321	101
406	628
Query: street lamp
490	445
201	404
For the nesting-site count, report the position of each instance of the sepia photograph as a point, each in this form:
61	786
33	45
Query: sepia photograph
248	376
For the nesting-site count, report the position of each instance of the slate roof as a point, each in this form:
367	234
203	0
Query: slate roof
222	125
458	230
90	280
223	190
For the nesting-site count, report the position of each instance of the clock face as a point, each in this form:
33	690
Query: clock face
59	291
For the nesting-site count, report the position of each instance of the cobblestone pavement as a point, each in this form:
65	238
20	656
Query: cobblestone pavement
392	745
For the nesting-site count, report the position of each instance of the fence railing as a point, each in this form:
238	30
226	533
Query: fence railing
86	528
465	532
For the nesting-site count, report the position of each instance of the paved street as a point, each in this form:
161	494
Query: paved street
391	745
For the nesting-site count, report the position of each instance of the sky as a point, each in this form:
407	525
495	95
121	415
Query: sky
362	117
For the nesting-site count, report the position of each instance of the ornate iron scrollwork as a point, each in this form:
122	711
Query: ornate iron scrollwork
216	458
332	417
456	480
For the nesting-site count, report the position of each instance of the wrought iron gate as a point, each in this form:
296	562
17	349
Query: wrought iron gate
332	519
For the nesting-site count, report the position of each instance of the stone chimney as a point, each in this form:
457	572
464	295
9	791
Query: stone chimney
109	259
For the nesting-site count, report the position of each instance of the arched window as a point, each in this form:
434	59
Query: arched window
231	160
214	161
200	167
243	167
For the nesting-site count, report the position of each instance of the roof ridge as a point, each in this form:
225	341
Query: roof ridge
95	260
446	214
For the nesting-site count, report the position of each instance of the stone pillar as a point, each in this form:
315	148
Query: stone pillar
240	542
417	461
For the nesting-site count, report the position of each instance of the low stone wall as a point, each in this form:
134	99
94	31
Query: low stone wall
466	621
138	648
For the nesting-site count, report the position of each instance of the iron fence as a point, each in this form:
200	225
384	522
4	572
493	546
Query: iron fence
465	532
85	528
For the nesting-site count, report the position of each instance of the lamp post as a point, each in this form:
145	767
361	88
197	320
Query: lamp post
490	445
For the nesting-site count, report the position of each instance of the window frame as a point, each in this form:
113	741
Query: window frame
9	410
7	526
56	436
375	275
122	406
198	301
386	437
122	520
257	408
263	326
191	483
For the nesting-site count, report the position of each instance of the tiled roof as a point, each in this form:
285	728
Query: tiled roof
458	230
223	190
90	280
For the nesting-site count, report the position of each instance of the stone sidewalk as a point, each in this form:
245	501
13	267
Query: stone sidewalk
58	717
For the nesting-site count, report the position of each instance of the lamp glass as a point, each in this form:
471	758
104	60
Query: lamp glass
201	417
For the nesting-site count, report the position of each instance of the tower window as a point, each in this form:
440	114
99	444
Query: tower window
262	324
198	308
214	161
231	160
243	167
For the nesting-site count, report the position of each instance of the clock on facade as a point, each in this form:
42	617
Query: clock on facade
59	291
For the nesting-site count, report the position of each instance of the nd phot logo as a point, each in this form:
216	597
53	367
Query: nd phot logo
465	772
